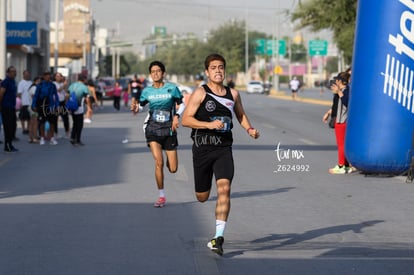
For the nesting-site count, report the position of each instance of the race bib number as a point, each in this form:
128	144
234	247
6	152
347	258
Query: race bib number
161	116
226	122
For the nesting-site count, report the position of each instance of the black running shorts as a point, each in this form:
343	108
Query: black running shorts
209	160
168	143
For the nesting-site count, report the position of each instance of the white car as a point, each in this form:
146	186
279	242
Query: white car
255	87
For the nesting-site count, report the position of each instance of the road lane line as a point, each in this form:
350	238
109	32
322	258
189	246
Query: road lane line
307	141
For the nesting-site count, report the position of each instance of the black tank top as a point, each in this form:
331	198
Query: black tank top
211	108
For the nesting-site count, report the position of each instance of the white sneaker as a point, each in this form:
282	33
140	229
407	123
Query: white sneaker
42	141
53	141
87	120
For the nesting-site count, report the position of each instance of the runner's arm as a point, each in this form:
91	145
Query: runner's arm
194	103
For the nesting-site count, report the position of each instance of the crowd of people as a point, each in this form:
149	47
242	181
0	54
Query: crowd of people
40	103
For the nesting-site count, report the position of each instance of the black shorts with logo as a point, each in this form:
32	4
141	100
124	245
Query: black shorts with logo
209	161
168	143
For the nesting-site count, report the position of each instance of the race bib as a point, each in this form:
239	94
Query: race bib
161	115
226	123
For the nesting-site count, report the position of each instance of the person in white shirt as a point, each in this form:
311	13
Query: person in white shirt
294	87
23	94
61	86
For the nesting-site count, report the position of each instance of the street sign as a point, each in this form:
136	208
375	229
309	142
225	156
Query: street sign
282	47
269	46
275	46
159	30
278	70
260	46
318	47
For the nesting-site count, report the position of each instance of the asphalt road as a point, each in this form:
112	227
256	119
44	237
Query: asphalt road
88	210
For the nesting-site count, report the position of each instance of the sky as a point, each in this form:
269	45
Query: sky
132	20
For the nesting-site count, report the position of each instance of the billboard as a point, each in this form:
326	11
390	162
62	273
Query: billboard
19	33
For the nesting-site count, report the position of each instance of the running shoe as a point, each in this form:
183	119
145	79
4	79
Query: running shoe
160	202
338	170
42	141
53	141
350	169
216	245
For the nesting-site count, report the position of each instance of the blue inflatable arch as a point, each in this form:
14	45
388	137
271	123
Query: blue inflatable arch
380	126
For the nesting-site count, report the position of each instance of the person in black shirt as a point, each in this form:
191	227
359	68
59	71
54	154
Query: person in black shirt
134	89
209	113
8	93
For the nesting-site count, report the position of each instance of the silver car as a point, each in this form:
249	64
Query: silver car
255	86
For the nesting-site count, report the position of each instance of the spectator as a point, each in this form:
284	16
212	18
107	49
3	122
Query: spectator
46	104
117	96
8	93
91	101
33	125
61	87
82	92
341	88
23	94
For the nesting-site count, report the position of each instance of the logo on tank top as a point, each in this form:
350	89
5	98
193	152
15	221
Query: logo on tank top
210	106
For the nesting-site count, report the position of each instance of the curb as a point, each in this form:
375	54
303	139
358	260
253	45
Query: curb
283	96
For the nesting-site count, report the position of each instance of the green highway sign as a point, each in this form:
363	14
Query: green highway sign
159	30
318	47
275	46
260	46
269	46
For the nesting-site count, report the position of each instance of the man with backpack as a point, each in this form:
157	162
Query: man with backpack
81	91
46	104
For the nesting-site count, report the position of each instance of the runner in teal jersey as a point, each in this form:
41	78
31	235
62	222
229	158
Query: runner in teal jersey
165	108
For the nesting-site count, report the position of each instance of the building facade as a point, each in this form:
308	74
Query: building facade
34	57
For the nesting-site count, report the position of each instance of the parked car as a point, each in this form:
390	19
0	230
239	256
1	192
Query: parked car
255	86
106	86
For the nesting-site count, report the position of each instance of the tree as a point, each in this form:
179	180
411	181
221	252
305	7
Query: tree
338	16
186	56
229	41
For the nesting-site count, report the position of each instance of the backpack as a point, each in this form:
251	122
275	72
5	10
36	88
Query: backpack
72	103
43	99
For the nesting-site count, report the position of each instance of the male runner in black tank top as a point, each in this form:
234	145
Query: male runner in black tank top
209	113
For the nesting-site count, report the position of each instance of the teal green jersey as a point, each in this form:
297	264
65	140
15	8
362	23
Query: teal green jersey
163	98
80	89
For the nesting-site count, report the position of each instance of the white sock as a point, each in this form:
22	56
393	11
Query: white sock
162	194
220	226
